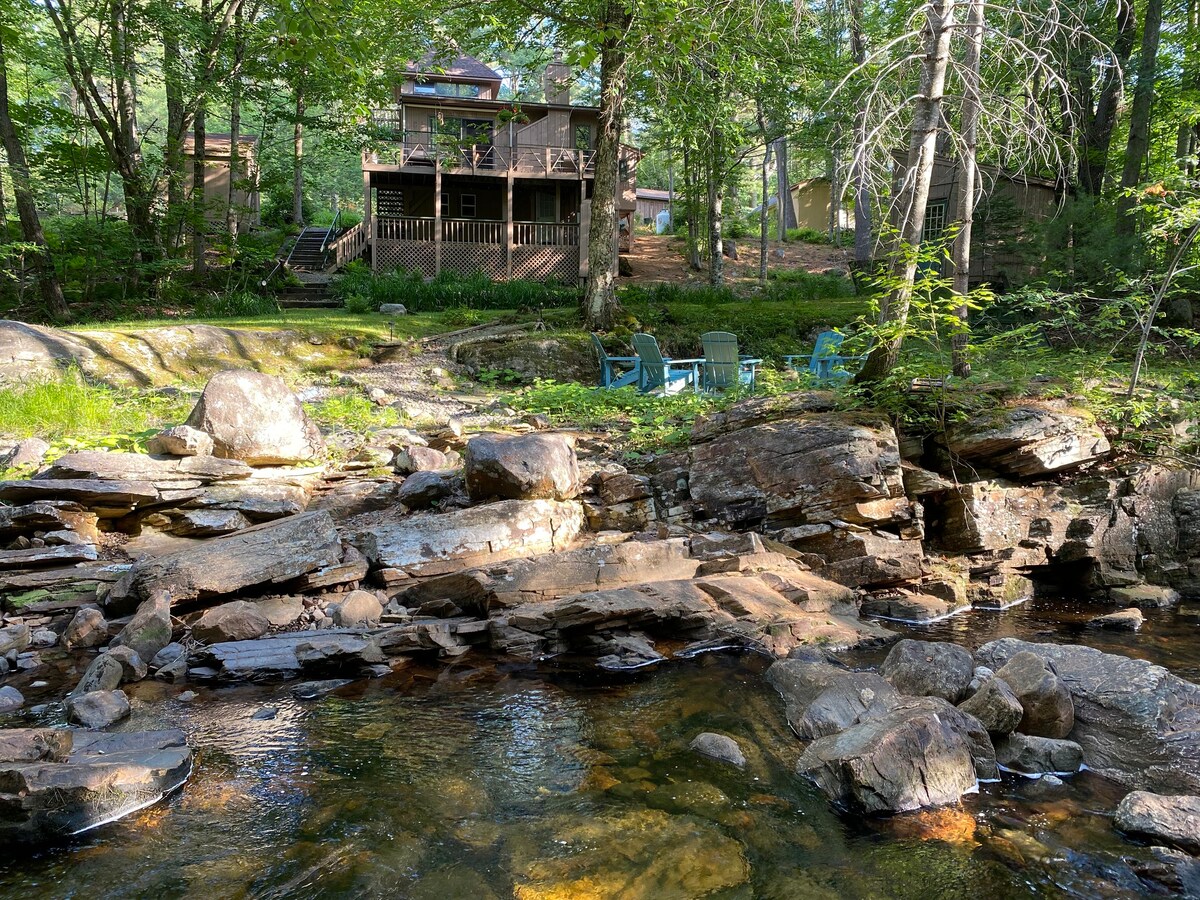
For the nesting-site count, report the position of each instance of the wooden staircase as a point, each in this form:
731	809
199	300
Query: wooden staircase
309	251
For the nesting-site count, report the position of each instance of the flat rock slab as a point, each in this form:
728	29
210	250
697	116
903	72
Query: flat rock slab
272	553
1137	723
109	499
1163	818
1029	440
283	656
107	465
38	557
104	777
436	544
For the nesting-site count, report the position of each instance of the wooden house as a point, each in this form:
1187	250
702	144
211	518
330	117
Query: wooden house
457	179
650	202
1008	205
810	202
217	172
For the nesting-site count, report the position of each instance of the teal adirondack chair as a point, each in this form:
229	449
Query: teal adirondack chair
662	375
616	371
723	368
826	363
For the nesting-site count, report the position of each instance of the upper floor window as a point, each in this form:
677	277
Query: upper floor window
445	89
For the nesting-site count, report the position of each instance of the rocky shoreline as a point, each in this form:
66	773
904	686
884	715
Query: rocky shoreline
232	553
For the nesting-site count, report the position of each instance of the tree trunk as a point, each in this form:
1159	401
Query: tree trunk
786	212
716	191
858	170
199	169
762	212
235	129
31	224
600	304
1095	137
913	195
967	177
176	129
1139	117
298	159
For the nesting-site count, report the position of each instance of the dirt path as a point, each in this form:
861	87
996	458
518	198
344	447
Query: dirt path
657	258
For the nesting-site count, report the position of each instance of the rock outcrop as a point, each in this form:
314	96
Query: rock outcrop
1028	440
1169	819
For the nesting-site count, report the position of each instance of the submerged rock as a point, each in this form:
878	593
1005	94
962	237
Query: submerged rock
257	419
1170	819
1123	620
97	709
1031	755
59	783
720	747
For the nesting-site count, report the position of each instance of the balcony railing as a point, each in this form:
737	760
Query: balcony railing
477	155
477	231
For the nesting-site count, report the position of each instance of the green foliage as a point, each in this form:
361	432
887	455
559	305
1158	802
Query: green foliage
352	412
235	303
808	235
799	284
362	291
80	414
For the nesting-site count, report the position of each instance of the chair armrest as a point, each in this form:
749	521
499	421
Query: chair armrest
623	359
750	361
682	362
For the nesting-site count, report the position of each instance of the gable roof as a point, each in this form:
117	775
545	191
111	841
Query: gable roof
652	194
446	66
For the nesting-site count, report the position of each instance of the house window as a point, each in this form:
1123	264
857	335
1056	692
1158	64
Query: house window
583	137
935	221
424	88
445	205
623	169
466	206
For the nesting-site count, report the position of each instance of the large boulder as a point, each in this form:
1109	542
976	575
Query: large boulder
150	628
1167	819
104	674
436	544
255	418
900	761
236	621
88	628
1137	723
1029	440
99	709
271	553
929	669
58	783
359	609
521	467
1045	700
996	706
814	468
35	353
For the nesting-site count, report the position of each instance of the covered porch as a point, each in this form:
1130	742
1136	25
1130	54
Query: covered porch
512	228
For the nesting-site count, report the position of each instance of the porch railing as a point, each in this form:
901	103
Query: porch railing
349	245
475	231
424	148
472	231
550	234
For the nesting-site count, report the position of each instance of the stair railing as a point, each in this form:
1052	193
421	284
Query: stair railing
284	263
328	235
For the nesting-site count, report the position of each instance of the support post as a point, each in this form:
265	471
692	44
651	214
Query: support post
508	228
368	222
437	218
585	227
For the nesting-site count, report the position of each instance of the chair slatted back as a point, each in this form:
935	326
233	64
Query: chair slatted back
829	343
654	366
720	360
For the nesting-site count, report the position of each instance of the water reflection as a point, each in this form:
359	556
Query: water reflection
488	783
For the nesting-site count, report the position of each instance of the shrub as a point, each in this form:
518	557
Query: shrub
234	304
797	284
447	291
808	235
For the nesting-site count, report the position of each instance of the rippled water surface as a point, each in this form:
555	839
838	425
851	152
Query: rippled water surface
478	782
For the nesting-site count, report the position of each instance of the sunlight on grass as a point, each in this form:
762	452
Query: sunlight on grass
71	407
352	412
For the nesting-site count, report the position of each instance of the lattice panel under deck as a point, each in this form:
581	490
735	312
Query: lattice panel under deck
467	259
539	263
408	255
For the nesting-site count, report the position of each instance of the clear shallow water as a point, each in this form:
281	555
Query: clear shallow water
478	783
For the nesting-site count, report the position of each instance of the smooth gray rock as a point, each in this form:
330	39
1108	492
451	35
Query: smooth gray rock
421	490
88	628
845	701
167	655
392	309
10	699
255	418
901	761
929	669
979	742
236	621
358	609
720	747
1163	818
521	467
182	440
326	653
996	706
133	668
1123	620
150	628
104	674
28	452
1045	699
99	709
1031	755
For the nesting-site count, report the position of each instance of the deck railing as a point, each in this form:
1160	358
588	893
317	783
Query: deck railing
406	228
425	148
545	234
475	231
472	231
349	245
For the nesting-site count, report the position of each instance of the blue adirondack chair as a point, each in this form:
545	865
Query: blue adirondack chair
723	367
826	363
616	371
662	375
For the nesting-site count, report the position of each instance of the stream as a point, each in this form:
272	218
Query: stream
481	779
